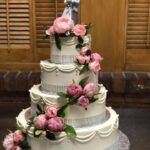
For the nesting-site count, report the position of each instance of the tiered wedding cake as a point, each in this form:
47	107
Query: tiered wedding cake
68	109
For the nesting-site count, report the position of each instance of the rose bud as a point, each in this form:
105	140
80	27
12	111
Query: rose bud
94	67
89	90
50	112
79	30
96	57
40	121
73	90
55	124
83	101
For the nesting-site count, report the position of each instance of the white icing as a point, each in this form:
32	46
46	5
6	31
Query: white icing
68	51
99	136
74	112
55	77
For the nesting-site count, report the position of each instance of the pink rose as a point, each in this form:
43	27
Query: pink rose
85	49
55	124
90	89
94	67
17	136
51	112
83	59
73	90
50	31
79	30
96	57
63	24
83	101
8	142
16	148
40	121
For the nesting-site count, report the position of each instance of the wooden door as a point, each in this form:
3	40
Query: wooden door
138	35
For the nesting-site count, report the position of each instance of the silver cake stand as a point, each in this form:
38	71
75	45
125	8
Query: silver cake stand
124	143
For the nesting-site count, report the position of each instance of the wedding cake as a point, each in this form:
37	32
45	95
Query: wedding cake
68	110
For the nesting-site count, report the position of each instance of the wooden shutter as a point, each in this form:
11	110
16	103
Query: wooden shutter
15	33
138	35
46	12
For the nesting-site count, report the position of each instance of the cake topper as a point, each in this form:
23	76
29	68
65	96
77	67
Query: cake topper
71	9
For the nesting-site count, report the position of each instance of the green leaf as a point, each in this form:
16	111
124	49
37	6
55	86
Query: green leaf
84	69
69	130
50	135
37	132
39	108
83	82
58	41
62	94
80	40
93	99
79	46
62	111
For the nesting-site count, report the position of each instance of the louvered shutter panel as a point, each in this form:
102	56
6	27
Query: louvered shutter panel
46	12
3	23
138	24
15	24
138	36
19	23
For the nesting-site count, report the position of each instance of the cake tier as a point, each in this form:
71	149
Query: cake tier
76	115
68	51
97	137
55	77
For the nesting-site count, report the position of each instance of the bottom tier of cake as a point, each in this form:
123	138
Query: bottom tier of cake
97	137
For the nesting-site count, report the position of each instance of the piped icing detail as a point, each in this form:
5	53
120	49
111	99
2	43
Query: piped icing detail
103	131
45	65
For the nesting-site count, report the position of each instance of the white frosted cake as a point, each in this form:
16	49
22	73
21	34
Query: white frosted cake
68	110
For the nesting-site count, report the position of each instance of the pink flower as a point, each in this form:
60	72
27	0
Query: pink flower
83	59
63	24
90	89
73	90
85	49
79	30
96	57
83	101
55	124
8	142
50	31
94	67
40	121
16	148
51	112
17	136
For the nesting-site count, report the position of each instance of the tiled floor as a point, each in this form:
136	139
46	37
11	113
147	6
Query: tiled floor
134	122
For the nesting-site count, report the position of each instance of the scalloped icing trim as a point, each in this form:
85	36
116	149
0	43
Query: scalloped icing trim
103	130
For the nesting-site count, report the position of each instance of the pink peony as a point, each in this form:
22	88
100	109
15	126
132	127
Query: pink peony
73	90
55	124
8	142
40	121
94	67
79	30
90	89
51	112
83	59
50	31
85	49
63	24
16	148
83	101
17	136
96	57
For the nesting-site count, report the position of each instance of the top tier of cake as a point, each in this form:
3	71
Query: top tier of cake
68	52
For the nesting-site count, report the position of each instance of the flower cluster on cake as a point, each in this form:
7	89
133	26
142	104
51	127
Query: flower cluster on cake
68	108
